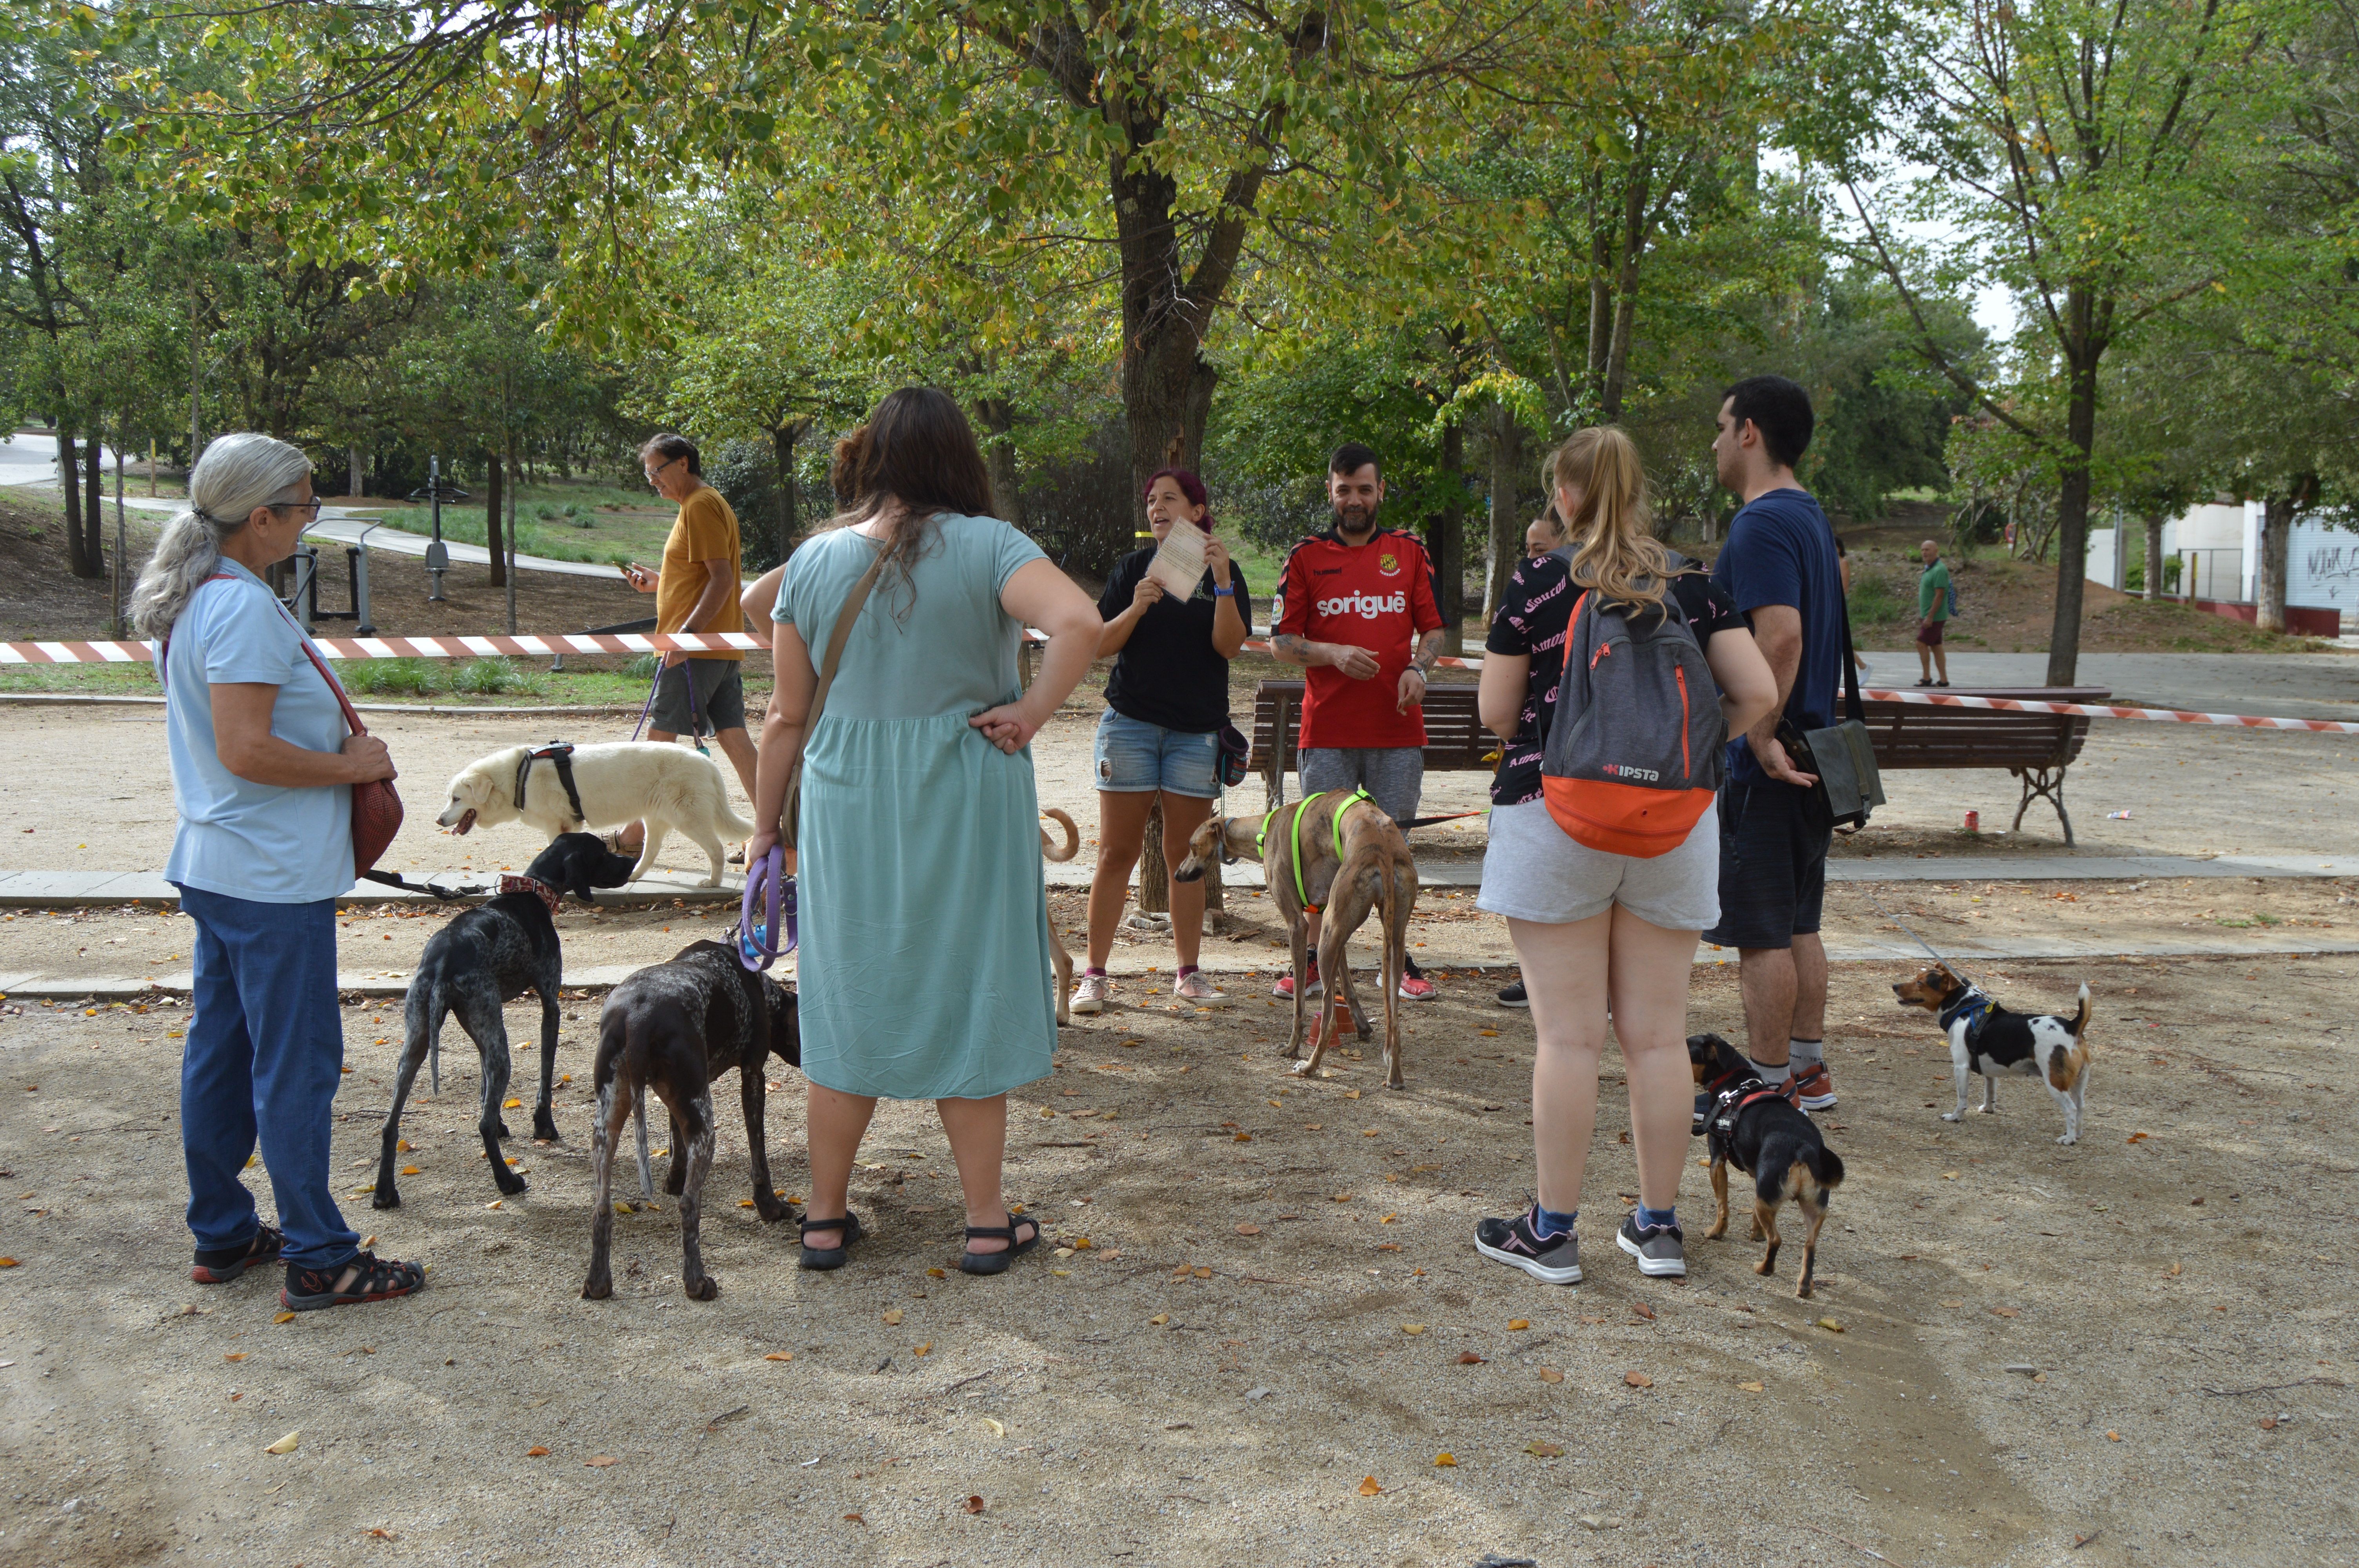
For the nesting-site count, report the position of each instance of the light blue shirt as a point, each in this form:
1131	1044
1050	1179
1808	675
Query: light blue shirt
237	837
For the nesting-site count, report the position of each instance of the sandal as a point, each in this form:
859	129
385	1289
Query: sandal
997	1262
220	1265
837	1256
309	1289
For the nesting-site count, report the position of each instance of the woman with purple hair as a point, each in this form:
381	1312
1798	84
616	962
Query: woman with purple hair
1160	738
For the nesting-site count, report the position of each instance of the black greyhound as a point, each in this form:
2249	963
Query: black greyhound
486	955
674	1027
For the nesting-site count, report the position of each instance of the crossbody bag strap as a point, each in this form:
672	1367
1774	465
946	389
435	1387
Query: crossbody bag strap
837	637
351	717
1853	709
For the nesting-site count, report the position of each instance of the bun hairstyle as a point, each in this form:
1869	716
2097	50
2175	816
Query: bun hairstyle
1614	550
1189	486
236	474
914	462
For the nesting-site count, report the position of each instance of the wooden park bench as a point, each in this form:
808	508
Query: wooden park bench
1455	741
2036	747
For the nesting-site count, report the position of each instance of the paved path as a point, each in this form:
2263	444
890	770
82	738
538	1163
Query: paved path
349	527
2289	685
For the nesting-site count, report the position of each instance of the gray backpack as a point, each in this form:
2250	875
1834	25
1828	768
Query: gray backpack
1634	750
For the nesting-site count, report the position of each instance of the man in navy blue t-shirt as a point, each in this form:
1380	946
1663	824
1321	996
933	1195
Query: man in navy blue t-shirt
1779	568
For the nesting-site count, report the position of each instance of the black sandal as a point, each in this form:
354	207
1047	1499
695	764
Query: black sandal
837	1256
220	1265
997	1262
378	1280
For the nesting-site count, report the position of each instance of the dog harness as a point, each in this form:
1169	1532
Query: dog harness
1975	1009
512	882
1301	894
563	756
1720	1131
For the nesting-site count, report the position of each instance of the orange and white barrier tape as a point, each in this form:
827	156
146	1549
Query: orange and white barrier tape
549	645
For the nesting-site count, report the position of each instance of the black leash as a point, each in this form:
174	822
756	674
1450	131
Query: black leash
396	880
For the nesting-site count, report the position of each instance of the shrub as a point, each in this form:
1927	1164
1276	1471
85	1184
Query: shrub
389	678
492	678
641	668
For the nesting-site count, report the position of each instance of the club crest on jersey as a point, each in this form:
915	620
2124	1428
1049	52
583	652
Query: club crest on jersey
1367	606
1388	565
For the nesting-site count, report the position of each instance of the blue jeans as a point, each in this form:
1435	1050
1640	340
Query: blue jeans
264	1058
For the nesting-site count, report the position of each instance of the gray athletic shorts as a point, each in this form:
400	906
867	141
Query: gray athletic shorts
1393	775
720	698
1534	870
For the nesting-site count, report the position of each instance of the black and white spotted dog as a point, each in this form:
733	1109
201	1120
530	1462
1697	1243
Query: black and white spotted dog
486	955
1986	1038
674	1027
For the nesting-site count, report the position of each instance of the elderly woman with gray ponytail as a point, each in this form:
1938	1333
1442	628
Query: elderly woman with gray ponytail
263	767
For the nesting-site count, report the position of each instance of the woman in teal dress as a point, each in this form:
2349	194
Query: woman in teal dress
924	963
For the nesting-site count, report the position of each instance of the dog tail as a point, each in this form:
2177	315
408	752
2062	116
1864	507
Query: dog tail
1826	1166
1072	837
421	1016
2079	1022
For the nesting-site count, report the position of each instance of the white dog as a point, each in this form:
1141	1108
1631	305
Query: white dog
669	786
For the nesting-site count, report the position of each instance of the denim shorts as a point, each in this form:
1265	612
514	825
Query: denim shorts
1134	757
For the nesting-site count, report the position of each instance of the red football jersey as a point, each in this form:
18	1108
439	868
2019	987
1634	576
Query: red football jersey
1377	596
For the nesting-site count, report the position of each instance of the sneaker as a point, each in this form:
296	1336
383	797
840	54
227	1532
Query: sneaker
1512	996
1552	1261
1659	1248
1416	988
1284	990
1813	1089
1089	995
1194	987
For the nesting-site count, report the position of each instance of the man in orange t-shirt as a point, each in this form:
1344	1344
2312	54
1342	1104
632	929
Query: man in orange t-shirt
696	590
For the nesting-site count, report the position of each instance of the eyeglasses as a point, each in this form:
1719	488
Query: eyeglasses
311	506
656	473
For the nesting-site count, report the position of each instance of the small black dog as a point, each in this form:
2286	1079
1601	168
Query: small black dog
486	955
1756	1129
674	1027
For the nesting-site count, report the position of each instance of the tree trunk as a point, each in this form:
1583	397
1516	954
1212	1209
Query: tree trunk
1508	521
70	480
493	483
2277	514
1445	538
782	453
1638	187
353	485
93	500
998	420
2154	557
2072	498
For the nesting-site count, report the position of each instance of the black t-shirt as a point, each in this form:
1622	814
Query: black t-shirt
1533	618
1169	672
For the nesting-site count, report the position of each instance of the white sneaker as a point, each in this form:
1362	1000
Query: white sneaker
1194	987
1091	993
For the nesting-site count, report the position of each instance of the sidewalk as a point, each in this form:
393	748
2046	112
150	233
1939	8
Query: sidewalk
348	527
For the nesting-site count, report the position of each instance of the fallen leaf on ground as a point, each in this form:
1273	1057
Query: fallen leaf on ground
1201	1273
284	1317
745	1203
1638	1380
1468	1359
973	1504
410	1170
1958	1304
1948	1176
998	1429
1539	1450
1446	1460
1368	1487
1586	1318
1751	1387
779	1355
2137	1137
494	1204
512	1105
1159	1319
368	1241
1412	1328
1242	1138
938	1273
1388	1220
1830	1326
2007	1311
1083	1244
1517	1324
400	1148
1351	1094
1643	1310
2268	1423
854	1518
285	1445
599	1462
380	1532
7	1263
1551	1375
1388	1246
234	1355
1342	1197
2113	1437
2174	1271
893	1317
536	1451
1248	1228
1314	1127
925	1349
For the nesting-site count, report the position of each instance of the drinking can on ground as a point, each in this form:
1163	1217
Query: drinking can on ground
1973	821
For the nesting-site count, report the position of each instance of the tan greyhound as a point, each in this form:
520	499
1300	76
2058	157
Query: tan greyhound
1338	852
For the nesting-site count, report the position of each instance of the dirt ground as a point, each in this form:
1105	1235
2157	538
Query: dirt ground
1276	1327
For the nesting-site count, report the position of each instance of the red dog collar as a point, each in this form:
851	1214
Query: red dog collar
509	882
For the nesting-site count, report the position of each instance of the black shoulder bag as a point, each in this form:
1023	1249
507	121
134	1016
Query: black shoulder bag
1850	786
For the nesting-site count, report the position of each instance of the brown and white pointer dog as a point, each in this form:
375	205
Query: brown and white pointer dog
674	1027
1353	861
1986	1038
1763	1134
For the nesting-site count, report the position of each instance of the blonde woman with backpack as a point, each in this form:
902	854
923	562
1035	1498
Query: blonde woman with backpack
1601	930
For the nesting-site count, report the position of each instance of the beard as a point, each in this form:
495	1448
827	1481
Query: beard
1356	521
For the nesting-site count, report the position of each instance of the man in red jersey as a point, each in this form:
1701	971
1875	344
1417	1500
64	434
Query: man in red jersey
1357	610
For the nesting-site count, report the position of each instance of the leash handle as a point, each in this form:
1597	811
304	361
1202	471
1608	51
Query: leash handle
770	889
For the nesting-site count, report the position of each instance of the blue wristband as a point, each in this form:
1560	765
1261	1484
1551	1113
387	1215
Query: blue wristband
1224	593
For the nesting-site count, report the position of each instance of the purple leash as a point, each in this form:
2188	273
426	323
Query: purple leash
766	882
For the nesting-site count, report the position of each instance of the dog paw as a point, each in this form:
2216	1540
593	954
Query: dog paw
386	1196
1950	1115
772	1210
513	1185
1300	1069
1987	1110
544	1129
598	1290
705	1290
2070	1137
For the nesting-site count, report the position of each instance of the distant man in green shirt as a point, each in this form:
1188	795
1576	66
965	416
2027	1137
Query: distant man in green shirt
1932	613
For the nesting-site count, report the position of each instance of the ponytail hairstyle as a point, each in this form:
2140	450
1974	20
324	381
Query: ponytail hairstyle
1189	486
236	474
1613	551
918	450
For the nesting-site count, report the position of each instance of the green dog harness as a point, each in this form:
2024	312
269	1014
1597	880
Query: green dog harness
1301	894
